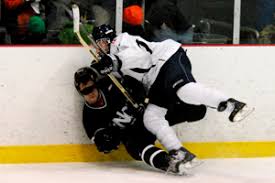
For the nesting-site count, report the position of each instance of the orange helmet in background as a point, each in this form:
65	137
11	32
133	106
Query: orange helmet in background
133	15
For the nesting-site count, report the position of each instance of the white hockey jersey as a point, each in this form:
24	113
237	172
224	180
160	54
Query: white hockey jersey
142	59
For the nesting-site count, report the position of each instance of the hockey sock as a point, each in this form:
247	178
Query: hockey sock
155	122
155	157
197	94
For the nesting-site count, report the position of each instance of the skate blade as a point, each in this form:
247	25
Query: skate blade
193	164
182	172
242	114
185	169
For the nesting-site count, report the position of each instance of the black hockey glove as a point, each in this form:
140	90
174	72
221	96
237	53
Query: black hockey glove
106	140
137	112
104	66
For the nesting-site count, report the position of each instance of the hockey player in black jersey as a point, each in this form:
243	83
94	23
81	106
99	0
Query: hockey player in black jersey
166	72
109	120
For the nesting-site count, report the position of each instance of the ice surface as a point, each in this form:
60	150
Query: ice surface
256	170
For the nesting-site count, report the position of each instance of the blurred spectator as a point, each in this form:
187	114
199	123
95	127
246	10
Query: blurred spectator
4	36
13	4
265	21
133	15
164	20
56	19
267	35
67	35
265	13
36	30
133	18
24	22
59	18
104	10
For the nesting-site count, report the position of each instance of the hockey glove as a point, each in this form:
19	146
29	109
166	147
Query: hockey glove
124	118
104	66
136	112
106	140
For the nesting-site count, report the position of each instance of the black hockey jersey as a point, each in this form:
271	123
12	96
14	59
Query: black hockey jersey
134	137
96	118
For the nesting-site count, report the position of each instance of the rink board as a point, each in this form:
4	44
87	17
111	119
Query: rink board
40	111
88	152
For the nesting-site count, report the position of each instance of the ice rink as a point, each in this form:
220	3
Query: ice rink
256	170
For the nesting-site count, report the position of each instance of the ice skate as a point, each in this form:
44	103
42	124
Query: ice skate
182	161
239	110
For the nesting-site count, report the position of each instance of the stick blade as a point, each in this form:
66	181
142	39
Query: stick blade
76	17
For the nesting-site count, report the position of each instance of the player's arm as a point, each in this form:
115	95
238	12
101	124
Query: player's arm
105	136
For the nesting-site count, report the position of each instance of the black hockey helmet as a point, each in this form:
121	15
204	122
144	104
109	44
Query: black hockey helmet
104	31
83	75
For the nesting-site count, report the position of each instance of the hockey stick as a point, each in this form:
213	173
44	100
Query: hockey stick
76	22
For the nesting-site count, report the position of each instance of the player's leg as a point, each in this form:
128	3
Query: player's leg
179	75
178	113
197	94
155	122
139	144
181	112
177	162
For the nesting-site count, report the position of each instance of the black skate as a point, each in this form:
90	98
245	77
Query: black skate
239	112
181	161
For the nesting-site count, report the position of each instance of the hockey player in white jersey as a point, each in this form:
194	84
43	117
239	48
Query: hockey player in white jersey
165	70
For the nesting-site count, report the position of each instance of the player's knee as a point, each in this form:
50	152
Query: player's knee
153	118
190	94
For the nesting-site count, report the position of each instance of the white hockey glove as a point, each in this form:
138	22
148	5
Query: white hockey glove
124	118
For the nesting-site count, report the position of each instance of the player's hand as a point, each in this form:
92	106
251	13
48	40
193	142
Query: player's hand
104	66
136	111
106	140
